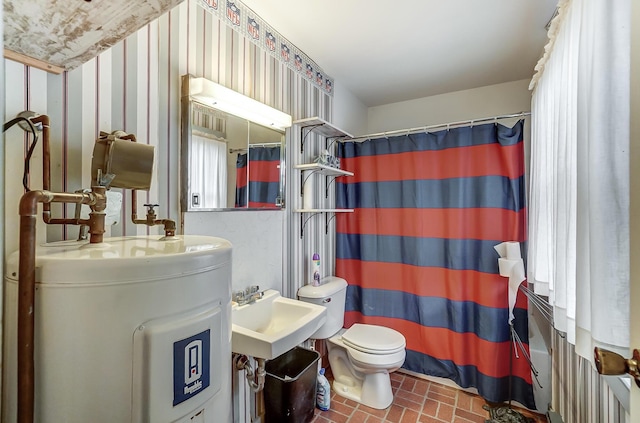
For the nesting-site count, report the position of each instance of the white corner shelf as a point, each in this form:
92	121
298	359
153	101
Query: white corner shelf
328	131
316	168
322	127
323	169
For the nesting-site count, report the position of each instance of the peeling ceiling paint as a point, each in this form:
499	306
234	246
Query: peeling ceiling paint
69	33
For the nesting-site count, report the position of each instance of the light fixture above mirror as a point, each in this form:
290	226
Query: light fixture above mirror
232	102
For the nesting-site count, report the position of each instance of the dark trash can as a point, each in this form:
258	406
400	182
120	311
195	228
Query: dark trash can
290	386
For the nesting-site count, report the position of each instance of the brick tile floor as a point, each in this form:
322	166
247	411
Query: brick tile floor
415	401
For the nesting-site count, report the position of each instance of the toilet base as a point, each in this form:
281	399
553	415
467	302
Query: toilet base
374	392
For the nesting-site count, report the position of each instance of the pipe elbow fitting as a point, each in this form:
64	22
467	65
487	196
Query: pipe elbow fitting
29	202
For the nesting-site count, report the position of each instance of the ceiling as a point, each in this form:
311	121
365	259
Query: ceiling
407	49
58	35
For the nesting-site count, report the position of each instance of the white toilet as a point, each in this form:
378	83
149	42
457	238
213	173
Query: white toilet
362	356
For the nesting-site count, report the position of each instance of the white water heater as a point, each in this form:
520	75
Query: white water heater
135	329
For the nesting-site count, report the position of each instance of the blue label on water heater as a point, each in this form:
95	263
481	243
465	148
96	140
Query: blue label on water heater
191	366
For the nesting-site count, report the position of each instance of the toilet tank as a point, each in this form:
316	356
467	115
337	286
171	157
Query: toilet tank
331	294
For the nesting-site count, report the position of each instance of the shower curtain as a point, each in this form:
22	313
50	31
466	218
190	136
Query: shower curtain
258	177
418	250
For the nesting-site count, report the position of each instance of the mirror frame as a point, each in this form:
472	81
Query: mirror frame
203	93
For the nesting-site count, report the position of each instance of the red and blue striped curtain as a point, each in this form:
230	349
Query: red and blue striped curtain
262	180
418	250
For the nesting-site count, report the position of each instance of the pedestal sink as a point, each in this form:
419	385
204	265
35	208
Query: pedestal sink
272	325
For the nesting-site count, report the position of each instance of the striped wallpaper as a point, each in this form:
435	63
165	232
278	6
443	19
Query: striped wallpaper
134	86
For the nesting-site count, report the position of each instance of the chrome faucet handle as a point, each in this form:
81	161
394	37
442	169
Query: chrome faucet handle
238	296
253	289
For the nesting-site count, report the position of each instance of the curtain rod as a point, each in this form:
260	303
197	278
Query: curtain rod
268	144
471	122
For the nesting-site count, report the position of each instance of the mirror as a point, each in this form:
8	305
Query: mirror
232	150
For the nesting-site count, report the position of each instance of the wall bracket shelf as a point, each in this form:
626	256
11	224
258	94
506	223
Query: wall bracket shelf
328	131
315	212
319	126
309	169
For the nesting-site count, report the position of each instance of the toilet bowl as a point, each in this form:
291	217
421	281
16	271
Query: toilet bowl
361	368
360	357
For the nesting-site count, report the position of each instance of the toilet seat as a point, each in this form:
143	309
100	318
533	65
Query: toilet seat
367	362
373	339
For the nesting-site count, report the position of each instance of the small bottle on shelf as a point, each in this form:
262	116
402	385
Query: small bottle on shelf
315	270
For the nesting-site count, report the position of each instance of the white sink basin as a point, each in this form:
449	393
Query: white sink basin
273	324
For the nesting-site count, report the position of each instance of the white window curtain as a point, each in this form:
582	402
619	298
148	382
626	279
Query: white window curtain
579	193
208	173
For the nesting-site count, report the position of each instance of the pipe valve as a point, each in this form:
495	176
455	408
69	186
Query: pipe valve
151	214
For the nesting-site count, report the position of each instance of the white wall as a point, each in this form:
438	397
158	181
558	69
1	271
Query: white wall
493	100
349	114
258	243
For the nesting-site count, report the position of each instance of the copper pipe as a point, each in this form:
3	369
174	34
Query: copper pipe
46	174
46	160
150	220
134	207
65	221
27	283
46	151
26	299
97	215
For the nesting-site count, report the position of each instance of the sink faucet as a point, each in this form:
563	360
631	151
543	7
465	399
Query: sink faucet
248	295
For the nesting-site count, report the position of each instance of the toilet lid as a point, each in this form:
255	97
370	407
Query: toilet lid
373	339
